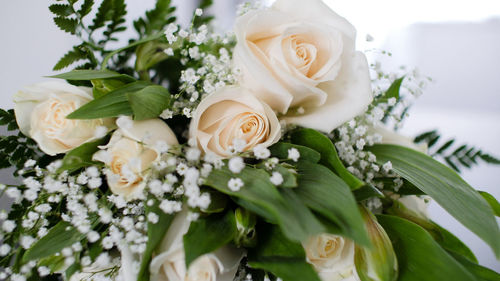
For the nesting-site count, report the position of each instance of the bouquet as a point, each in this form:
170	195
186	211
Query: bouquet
268	153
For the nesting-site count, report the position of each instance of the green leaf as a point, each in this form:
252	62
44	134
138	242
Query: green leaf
81	156
69	58
420	258
481	273
329	157
324	192
280	256
289	177
260	196
208	234
393	91
66	24
87	74
492	201
367	191
104	13
62	10
156	19
156	232
149	102
60	236
444	186
280	150
112	104
86	8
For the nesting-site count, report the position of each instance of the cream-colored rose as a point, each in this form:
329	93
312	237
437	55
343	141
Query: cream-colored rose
332	256
391	137
230	114
41	111
169	264
130	153
299	57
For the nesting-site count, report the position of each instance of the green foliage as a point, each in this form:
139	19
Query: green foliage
280	150
149	102
419	256
81	156
156	19
446	187
74	55
492	201
463	156
203	19
66	24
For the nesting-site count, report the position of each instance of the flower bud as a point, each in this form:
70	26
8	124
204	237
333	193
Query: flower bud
245	224
378	263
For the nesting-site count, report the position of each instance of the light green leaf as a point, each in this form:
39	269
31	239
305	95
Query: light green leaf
280	256
208	234
492	201
481	273
324	192
87	75
81	156
149	102
420	258
444	186
156	232
280	150
261	197
113	104
329	157
60	236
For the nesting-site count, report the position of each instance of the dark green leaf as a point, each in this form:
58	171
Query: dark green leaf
149	102
208	234
420	258
324	192
444	186
289	177
156	232
104	13
87	75
81	156
329	157
69	58
280	150
367	191
113	104
86	8
66	24
481	273
62	10
60	236
280	256
492	201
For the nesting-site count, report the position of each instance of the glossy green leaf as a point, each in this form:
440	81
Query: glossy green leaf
156	232
481	273
112	104
420	258
492	201
208	234
367	191
329	157
261	197
324	192
87	75
280	256
280	150
289	177
393	91
149	102
81	156
444	186
60	236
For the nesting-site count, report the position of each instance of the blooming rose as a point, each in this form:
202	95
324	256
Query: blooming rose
230	114
301	55
332	256
130	153
169	264
41	111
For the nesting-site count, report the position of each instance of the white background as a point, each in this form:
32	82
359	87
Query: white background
457	43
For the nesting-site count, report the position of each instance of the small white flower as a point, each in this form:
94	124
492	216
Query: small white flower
261	152
93	236
29	163
193	154
95	183
181	169
293	154
276	178
153	218
8	226
43	271
167	113
4	250
235	184
387	166
236	164
198	12
239	145
26	241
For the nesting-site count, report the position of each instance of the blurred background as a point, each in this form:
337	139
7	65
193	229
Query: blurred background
455	42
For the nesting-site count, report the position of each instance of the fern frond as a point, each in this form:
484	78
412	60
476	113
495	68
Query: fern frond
86	8
69	58
104	13
61	10
66	24
156	19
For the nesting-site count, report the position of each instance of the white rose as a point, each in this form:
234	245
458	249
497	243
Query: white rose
299	57
229	114
391	137
130	153
169	264
417	204
332	256
41	111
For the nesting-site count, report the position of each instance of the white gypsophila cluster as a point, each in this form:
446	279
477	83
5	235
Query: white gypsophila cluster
246	7
206	58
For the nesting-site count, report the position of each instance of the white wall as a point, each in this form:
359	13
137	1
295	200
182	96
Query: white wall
462	56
